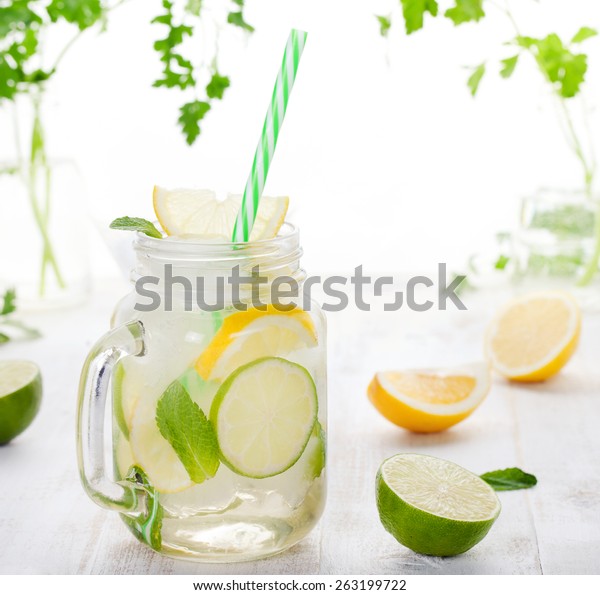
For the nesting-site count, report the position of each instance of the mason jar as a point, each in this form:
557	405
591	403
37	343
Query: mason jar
216	368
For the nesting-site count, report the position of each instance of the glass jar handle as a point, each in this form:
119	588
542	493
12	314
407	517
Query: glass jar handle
121	496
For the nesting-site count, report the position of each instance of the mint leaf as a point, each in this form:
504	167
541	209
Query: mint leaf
237	19
184	425
475	78
414	11
583	34
384	25
512	478
465	11
136	224
508	66
83	13
217	85
189	118
8	302
147	525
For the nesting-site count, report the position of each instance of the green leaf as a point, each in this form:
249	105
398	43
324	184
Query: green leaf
583	34
508	66
136	224
17	16
414	11
501	263
194	7
465	11
83	13
237	19
559	65
190	116
8	302
512	478
475	78
184	425
148	524
4	338
384	25
217	85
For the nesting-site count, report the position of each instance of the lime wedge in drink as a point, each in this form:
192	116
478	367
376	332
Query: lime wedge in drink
264	414
20	397
433	506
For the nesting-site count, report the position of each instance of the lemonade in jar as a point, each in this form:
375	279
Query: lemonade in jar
218	391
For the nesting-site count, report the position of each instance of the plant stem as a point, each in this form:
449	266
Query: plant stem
38	159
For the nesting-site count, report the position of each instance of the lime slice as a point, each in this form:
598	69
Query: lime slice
315	453
264	414
20	397
433	506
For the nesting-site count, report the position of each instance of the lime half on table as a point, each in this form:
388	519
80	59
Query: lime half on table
433	506
20	397
264	415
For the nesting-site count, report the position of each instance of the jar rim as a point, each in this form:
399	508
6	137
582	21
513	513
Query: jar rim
288	232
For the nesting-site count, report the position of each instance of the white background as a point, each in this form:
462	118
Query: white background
387	159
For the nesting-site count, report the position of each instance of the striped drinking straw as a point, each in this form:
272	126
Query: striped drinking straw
268	139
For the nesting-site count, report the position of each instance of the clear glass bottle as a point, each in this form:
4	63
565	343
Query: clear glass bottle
238	506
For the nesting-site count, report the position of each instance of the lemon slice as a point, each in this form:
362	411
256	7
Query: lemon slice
264	415
153	453
189	212
430	400
433	506
534	336
249	335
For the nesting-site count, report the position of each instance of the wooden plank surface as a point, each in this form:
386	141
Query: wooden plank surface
48	525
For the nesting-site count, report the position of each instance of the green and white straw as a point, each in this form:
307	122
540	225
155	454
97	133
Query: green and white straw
268	139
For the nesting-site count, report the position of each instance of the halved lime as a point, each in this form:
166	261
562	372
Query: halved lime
264	414
20	397
433	506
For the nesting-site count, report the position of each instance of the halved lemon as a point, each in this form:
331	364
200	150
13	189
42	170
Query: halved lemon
430	400
264	415
191	212
250	335
534	336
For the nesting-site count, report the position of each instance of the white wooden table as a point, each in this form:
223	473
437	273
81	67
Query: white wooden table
48	525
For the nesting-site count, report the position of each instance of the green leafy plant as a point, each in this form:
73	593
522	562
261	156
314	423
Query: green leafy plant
563	65
10	327
25	69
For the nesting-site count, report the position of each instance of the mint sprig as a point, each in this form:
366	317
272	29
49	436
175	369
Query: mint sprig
136	224
183	424
512	478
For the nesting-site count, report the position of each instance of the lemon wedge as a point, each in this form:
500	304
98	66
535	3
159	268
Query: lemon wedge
430	400
534	336
190	212
252	334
